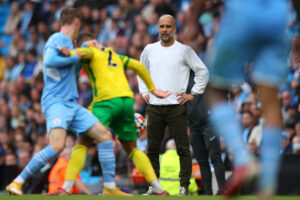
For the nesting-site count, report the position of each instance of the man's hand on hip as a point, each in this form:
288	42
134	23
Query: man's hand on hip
182	98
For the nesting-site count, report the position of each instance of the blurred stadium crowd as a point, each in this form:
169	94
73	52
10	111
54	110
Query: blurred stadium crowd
127	26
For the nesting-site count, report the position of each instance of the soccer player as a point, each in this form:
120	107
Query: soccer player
59	99
250	31
113	105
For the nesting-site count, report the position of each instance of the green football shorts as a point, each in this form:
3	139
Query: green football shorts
118	114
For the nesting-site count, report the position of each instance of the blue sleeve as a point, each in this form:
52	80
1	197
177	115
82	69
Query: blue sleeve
52	59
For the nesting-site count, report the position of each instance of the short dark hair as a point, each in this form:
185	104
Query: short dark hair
68	15
84	37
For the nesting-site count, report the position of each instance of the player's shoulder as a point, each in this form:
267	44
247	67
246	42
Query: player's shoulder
93	49
58	35
99	52
108	49
59	39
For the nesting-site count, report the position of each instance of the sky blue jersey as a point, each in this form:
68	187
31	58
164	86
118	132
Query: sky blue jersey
59	71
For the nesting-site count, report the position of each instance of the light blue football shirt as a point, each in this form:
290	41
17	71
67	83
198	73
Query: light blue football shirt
59	72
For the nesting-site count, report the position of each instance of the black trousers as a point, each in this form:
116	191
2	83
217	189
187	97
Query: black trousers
206	145
175	117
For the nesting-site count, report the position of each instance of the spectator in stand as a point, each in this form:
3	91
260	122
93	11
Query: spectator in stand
10	159
28	146
24	100
16	116
13	19
136	9
43	30
291	110
35	42
247	124
286	99
18	67
286	145
31	63
296	145
9	68
255	109
23	159
35	95
29	17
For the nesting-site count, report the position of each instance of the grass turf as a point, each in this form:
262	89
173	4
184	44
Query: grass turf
136	197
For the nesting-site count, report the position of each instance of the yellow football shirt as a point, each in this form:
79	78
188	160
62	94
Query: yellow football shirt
106	72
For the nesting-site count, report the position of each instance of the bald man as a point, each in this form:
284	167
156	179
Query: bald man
169	63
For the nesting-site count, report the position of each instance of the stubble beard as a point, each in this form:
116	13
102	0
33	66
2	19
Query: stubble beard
166	40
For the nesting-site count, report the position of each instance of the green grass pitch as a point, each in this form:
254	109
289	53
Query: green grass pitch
136	197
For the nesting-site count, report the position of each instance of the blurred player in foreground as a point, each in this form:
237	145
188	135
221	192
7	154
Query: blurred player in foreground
250	31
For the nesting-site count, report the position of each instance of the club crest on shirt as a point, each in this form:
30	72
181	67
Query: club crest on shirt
56	121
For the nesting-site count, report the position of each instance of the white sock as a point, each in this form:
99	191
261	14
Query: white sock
156	186
19	179
110	185
68	185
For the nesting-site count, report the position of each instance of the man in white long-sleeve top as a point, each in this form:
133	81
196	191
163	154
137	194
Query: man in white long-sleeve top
169	63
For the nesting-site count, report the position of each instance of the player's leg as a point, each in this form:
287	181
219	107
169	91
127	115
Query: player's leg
81	122
88	125
143	164
124	125
56	124
76	162
223	119
271	140
105	111
105	153
56	145
230	53
271	70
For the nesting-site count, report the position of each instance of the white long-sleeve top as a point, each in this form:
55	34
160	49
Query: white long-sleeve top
169	69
